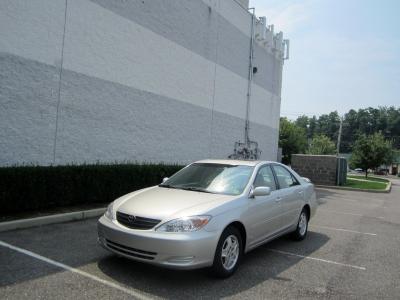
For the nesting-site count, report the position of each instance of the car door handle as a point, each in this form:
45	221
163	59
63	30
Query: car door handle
300	192
277	199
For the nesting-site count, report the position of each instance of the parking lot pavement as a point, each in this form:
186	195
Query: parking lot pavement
351	251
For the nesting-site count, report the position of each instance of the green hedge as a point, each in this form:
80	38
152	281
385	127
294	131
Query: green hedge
30	188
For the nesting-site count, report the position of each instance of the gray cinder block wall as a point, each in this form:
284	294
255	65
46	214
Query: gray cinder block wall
114	80
320	169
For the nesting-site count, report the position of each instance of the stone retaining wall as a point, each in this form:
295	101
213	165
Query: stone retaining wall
320	169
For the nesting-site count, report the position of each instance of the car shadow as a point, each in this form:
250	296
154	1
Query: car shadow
258	266
322	194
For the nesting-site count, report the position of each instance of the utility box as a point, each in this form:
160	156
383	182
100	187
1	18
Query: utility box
341	171
321	169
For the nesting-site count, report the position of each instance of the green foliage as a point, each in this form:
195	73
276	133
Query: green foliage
329	125
303	122
370	151
321	145
292	139
364	121
33	188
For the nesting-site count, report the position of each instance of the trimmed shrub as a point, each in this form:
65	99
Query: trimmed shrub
28	188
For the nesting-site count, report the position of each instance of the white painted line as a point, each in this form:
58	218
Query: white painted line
130	292
317	259
350	202
347	213
342	229
341	212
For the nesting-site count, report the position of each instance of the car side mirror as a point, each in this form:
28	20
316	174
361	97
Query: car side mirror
260	191
165	179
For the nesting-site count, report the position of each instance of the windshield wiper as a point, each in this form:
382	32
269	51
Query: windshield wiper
168	186
194	189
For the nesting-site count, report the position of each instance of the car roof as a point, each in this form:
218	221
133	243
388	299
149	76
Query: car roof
233	162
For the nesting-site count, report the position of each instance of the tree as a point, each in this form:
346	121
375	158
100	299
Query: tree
329	125
302	121
370	151
313	126
349	131
322	145
292	139
356	122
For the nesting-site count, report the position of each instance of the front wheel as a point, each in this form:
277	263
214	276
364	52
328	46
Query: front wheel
302	227
228	253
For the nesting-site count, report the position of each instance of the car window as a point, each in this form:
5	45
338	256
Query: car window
285	178
214	178
265	177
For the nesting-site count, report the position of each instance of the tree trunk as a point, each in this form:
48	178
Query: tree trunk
366	172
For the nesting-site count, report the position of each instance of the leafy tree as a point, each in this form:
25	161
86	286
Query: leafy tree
313	126
393	126
292	139
370	151
322	145
356	122
350	126
329	125
302	121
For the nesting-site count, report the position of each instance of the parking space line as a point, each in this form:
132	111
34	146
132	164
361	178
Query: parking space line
342	229
347	213
340	212
316	259
345	199
350	202
130	292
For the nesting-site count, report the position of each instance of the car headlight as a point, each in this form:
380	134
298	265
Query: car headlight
186	224
109	211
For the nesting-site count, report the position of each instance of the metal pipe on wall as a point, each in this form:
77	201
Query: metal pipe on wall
250	79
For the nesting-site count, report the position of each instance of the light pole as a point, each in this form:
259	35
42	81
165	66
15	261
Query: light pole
308	137
339	137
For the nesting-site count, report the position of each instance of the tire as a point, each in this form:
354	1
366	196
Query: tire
222	267
302	226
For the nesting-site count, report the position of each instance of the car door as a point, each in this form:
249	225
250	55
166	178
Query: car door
264	211
291	194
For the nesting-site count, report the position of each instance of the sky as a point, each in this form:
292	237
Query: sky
344	54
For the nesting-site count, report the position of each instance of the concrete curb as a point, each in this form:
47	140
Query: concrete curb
387	190
52	219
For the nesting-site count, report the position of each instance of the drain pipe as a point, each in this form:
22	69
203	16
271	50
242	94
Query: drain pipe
250	79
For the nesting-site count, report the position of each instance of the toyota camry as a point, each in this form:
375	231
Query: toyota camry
209	214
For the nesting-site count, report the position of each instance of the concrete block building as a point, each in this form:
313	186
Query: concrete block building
84	81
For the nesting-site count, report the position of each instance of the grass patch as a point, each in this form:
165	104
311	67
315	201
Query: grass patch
370	178
365	184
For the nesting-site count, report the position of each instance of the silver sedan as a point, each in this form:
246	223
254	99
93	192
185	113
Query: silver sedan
209	214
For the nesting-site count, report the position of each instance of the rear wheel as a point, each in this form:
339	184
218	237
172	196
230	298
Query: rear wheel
228	253
302	226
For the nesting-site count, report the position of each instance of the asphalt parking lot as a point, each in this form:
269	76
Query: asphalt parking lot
352	252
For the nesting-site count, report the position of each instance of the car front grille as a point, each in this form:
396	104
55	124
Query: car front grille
135	222
130	251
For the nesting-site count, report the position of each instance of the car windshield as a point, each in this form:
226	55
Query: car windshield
211	178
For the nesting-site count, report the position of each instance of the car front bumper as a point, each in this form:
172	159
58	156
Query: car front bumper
173	250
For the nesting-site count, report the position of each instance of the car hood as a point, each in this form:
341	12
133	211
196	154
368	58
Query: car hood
165	203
